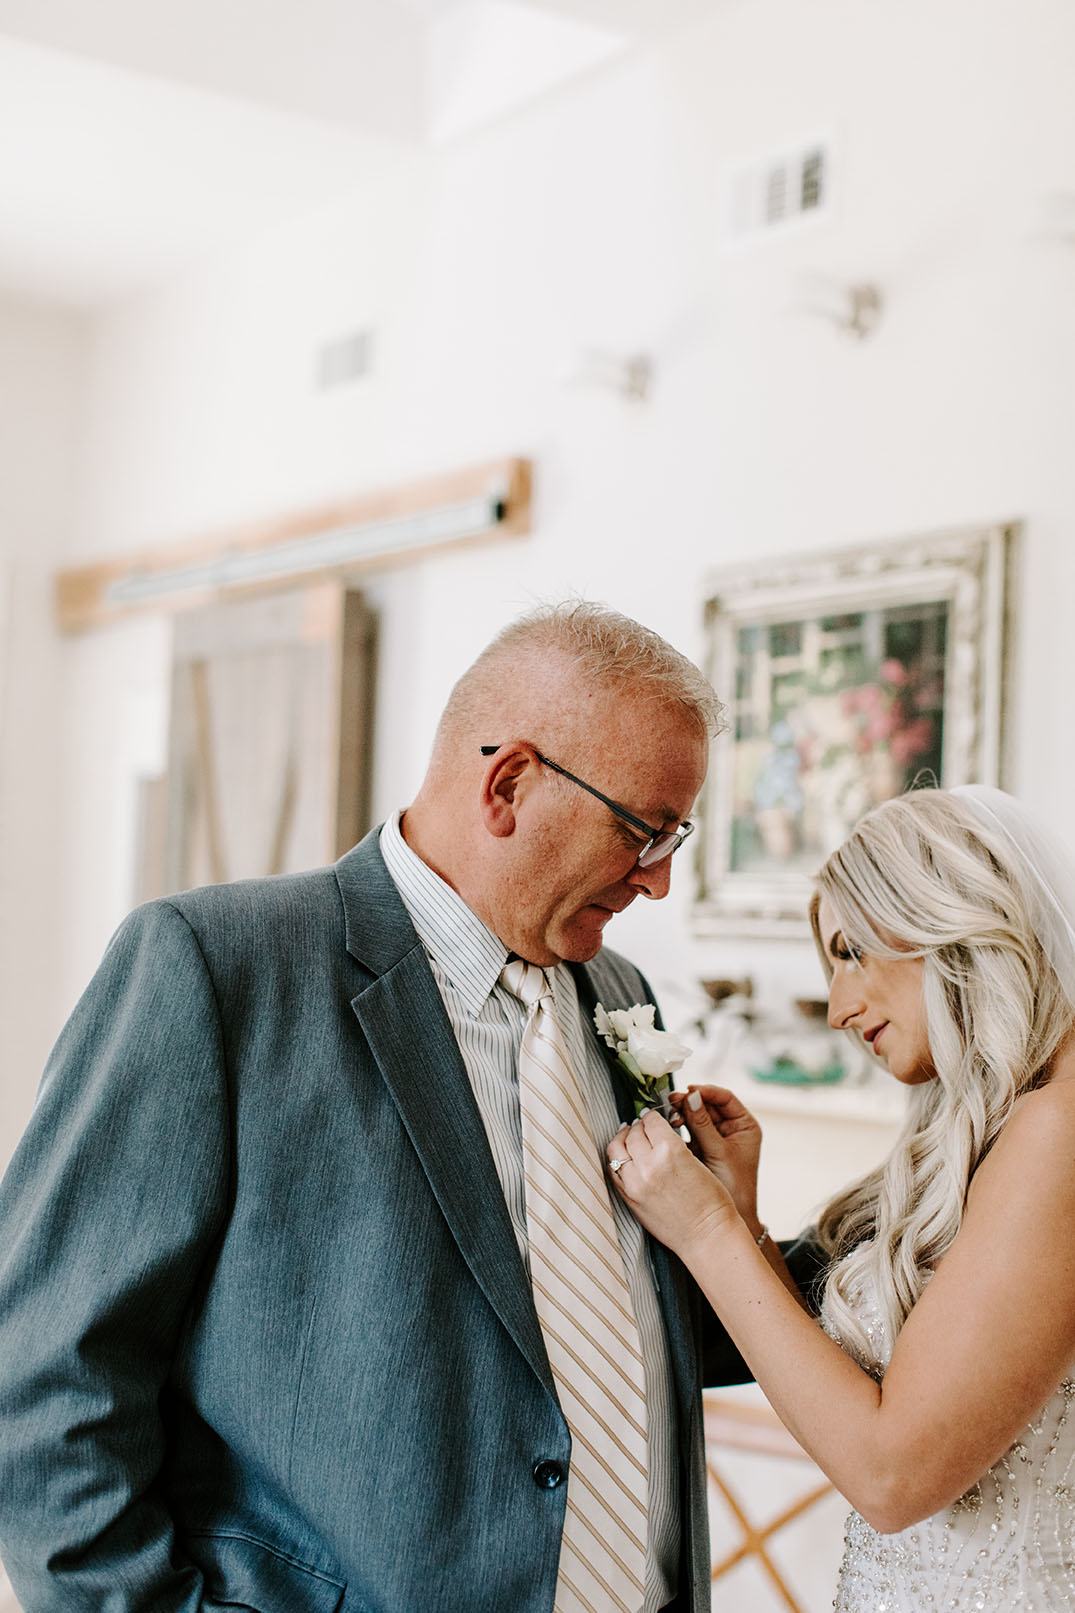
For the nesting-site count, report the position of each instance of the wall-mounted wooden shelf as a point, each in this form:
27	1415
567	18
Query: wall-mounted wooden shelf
371	531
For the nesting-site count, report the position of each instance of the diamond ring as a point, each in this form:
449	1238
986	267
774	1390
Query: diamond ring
615	1165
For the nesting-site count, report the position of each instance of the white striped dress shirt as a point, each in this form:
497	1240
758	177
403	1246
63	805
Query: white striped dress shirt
466	959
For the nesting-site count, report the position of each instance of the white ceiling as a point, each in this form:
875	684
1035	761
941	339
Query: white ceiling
136	136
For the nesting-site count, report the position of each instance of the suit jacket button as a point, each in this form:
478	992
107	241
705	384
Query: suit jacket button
548	1475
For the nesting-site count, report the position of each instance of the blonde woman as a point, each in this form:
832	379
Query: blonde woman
938	1393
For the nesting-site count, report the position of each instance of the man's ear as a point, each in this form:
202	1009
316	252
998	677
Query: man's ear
502	784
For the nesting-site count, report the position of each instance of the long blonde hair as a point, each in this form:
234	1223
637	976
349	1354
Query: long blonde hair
921	876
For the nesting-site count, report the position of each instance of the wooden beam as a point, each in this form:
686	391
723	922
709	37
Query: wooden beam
197	572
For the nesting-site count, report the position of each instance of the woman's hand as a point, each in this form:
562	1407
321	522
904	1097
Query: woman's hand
727	1139
670	1191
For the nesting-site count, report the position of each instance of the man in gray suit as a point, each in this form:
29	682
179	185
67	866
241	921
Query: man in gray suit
267	1334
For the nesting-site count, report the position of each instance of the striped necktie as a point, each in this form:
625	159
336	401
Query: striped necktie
584	1307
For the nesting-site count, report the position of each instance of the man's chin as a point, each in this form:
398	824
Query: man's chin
585	937
582	951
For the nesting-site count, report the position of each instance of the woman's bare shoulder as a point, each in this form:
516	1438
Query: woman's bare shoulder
1038	1137
1050	1105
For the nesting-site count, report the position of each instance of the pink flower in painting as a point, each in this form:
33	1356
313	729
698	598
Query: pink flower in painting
879	726
914	740
879	732
886	716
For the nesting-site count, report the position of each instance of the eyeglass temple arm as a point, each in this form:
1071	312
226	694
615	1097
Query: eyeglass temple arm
613	806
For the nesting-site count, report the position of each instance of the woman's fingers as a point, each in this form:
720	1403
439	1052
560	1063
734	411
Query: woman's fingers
639	1145
618	1144
725	1107
696	1115
719	1105
649	1129
618	1157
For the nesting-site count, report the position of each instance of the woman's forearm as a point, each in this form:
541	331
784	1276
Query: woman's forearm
830	1405
774	1255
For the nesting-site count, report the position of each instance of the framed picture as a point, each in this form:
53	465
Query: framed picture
848	676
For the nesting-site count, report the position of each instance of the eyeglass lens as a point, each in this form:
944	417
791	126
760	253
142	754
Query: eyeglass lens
662	846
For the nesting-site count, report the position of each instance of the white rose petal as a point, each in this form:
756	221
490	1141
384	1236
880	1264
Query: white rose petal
620	1021
626	1020
657	1052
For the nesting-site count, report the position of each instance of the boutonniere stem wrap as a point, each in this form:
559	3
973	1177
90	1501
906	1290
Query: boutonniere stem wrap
649	1056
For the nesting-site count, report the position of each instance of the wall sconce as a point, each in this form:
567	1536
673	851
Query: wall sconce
855	309
630	376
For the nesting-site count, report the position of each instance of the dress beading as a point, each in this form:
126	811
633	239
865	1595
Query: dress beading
1007	1544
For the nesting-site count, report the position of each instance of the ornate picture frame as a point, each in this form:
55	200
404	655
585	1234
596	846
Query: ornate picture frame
848	675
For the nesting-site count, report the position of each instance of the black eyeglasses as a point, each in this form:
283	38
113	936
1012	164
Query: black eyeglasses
661	843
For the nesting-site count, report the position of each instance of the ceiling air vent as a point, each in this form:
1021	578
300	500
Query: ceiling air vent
768	193
350	358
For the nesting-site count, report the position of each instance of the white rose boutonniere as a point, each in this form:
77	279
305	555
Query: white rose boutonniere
650	1057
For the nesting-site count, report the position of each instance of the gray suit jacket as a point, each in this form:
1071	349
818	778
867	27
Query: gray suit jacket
266	1340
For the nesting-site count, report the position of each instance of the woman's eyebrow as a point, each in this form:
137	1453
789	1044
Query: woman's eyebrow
833	939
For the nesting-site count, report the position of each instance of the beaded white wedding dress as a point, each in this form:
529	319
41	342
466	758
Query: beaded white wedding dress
1007	1546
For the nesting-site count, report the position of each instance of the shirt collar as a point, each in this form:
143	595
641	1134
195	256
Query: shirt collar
455	938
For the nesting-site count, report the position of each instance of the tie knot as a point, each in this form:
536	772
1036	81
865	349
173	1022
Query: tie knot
525	981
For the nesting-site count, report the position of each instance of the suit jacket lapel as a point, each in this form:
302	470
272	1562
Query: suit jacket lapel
410	1036
589	992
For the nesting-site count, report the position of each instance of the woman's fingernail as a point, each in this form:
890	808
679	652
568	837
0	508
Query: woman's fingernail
694	1100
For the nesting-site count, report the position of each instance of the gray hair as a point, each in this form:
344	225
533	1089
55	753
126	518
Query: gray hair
921	876
607	649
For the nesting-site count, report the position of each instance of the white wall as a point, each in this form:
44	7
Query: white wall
41	356
593	218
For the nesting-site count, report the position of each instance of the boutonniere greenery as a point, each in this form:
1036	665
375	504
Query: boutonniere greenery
649	1056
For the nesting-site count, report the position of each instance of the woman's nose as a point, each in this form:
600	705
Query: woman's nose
844	1005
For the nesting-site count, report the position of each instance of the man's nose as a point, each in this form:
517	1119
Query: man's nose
652	881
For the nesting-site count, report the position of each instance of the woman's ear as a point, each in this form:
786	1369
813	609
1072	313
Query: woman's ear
502	783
